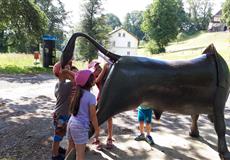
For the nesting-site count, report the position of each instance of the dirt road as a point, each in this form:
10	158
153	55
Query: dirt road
25	127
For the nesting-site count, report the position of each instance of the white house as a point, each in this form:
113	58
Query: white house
122	42
216	25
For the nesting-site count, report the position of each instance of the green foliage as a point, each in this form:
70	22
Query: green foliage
57	16
133	23
152	47
183	19
93	24
161	22
200	13
23	24
226	12
112	20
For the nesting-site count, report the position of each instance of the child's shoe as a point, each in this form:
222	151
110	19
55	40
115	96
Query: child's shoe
149	140
141	137
98	144
59	157
61	150
109	143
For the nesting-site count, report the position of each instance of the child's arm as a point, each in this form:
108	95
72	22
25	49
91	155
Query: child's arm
93	118
67	74
102	74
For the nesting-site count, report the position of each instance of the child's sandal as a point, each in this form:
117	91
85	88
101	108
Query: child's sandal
98	144
109	143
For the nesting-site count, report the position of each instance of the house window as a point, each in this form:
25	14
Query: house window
128	53
119	34
123	34
129	44
114	43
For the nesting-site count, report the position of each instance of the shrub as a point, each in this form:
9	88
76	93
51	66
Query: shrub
153	48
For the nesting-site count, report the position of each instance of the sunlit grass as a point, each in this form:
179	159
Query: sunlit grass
13	63
191	48
14	59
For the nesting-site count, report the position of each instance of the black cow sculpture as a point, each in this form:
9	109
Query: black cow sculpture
190	87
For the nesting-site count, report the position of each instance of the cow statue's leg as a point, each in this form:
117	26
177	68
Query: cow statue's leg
219	123
194	128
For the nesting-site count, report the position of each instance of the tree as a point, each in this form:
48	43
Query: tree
226	12
133	23
200	13
183	19
22	24
92	23
161	22
112	20
57	16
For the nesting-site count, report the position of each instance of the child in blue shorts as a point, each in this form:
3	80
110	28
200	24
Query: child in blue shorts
145	116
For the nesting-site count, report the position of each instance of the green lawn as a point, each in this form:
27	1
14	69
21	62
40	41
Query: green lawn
193	47
13	63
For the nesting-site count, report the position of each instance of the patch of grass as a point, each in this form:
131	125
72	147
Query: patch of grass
10	69
184	36
13	63
194	46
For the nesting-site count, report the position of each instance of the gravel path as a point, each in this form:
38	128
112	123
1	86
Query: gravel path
26	103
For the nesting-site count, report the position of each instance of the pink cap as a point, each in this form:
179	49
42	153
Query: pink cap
57	69
82	76
92	65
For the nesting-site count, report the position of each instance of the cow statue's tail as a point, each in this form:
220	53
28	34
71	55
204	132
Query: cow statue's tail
68	51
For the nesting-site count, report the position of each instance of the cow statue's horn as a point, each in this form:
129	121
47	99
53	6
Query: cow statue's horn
68	51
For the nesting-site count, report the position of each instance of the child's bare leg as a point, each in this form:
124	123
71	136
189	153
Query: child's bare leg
80	151
109	143
148	128
70	146
110	128
55	147
148	137
141	127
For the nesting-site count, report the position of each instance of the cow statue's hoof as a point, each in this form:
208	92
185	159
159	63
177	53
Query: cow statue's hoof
225	156
194	134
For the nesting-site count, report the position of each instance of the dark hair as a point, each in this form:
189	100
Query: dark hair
75	100
74	68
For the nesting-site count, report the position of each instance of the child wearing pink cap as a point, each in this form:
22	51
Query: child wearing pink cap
100	76
61	113
83	110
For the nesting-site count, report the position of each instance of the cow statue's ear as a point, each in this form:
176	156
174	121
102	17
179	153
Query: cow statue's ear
210	50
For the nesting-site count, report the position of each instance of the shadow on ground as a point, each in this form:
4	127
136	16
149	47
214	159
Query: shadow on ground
21	78
25	128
